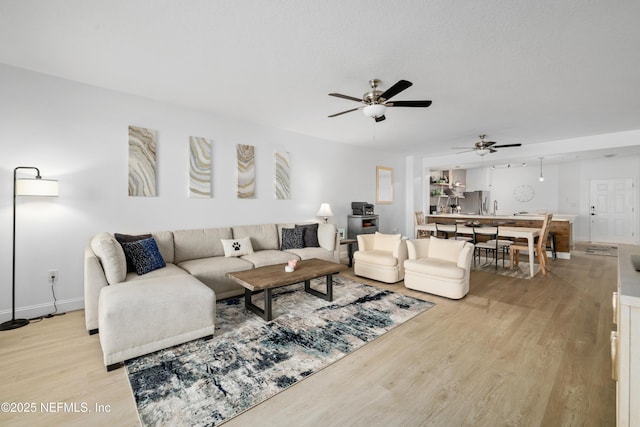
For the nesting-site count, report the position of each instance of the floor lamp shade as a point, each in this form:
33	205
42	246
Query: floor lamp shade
25	187
36	187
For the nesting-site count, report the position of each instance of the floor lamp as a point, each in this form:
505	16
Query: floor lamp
25	187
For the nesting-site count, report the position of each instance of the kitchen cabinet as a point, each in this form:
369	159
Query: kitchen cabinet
625	341
446	184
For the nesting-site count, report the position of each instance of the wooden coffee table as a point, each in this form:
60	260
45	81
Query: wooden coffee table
273	276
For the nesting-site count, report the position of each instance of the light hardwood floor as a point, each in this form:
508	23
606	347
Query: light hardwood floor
513	352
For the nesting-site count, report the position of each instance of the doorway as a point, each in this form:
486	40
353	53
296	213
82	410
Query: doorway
611	211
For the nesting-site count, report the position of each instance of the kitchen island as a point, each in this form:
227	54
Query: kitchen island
561	225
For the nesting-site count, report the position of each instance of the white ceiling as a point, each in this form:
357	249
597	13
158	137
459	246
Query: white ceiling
518	70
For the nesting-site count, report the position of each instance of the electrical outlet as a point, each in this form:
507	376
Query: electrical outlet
53	275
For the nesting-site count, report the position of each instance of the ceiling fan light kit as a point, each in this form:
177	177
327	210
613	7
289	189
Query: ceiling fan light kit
374	110
376	101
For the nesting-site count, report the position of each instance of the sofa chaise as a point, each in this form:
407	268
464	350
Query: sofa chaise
184	273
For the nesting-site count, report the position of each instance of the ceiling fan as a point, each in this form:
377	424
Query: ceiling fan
483	147
376	101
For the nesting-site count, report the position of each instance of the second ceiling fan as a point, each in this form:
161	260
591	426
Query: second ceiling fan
376	101
483	147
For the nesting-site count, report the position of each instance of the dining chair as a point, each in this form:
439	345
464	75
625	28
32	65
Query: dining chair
446	230
540	247
418	219
489	245
459	235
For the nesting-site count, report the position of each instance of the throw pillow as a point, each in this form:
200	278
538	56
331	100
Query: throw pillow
237	247
386	242
145	255
292	238
125	238
309	235
111	256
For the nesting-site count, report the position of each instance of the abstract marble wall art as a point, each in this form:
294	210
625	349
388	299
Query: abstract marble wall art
281	183
246	172
200	167
142	162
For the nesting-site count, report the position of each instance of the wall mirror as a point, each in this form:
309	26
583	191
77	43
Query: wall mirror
384	185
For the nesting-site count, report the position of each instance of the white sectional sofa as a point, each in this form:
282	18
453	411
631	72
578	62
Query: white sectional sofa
175	303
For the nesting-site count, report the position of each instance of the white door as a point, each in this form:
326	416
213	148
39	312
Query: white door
612	211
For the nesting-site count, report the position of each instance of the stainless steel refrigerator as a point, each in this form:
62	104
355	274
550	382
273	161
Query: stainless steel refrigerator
475	202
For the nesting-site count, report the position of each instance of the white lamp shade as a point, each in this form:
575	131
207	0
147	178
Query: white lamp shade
36	187
374	110
325	210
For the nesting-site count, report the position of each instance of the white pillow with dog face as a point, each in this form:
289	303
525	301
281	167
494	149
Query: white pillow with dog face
237	247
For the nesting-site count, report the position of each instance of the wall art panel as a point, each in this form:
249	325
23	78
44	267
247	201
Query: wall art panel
246	171
282	184
142	162
200	160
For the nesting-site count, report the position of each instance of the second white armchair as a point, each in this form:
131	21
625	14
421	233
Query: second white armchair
439	266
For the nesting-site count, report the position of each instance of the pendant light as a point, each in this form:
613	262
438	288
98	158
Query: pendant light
541	178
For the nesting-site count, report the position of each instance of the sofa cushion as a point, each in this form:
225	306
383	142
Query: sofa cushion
386	242
168	270
200	243
446	249
164	240
237	247
111	256
310	235
144	255
381	258
263	236
308	253
435	267
269	257
213	273
292	238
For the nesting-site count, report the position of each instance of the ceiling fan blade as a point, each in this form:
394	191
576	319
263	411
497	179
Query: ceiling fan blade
379	119
465	151
408	104
344	112
488	143
395	89
492	150
351	98
507	145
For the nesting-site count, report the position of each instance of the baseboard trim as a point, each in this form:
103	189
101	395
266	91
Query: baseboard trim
38	310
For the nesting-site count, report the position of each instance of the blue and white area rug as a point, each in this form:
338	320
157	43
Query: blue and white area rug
205	383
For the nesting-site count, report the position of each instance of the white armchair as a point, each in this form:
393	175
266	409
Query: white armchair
380	257
438	266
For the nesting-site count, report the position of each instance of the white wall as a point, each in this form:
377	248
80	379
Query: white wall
78	134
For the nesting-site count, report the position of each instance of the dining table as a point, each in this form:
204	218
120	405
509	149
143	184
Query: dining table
504	231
